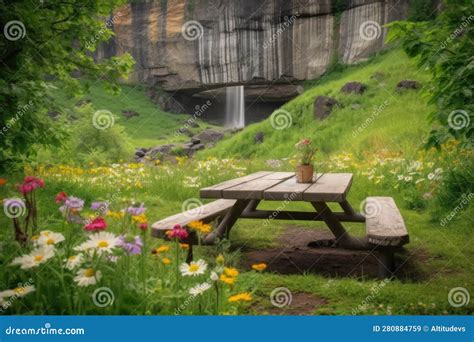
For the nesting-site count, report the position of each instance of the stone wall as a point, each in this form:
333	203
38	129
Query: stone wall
246	41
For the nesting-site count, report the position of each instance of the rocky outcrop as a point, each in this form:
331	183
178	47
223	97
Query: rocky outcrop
168	152
194	45
323	106
407	84
354	87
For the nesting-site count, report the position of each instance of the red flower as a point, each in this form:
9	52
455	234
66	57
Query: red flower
143	226
61	197
31	183
178	232
97	224
306	141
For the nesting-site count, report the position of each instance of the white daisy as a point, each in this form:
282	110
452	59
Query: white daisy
431	176
36	257
51	238
17	292
199	289
194	268
102	242
73	261
87	276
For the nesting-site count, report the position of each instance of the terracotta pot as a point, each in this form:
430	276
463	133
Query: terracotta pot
304	173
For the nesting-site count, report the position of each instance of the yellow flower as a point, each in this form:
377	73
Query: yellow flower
166	261
115	214
140	218
241	297
227	280
231	272
184	245
259	267
161	249
200	226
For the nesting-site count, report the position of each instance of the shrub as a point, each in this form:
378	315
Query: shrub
87	143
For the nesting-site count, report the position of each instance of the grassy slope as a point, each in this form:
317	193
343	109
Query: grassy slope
400	126
151	127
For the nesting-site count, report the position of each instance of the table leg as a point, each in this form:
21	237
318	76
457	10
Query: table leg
343	238
224	227
253	204
347	208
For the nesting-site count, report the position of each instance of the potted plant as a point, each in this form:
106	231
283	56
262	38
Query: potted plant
304	170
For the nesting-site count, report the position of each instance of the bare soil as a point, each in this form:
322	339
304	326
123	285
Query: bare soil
303	250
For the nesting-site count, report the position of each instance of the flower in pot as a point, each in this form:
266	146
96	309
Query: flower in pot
305	170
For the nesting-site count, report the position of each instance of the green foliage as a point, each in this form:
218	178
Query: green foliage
457	183
48	40
422	10
444	47
88	144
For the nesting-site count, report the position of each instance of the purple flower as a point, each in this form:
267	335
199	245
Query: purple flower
103	207
74	203
131	244
135	211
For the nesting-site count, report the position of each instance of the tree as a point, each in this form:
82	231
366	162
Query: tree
44	42
444	47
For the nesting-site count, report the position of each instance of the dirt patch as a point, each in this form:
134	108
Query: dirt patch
301	304
311	251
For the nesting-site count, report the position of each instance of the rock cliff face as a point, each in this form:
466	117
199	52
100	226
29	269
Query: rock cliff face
202	44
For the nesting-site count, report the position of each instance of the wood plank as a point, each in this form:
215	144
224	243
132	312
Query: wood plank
205	212
287	190
254	189
279	175
330	187
384	223
215	191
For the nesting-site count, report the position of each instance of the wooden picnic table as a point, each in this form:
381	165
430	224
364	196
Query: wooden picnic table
239	198
248	191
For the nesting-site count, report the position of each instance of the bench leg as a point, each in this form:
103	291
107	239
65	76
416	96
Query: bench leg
224	227
386	263
189	256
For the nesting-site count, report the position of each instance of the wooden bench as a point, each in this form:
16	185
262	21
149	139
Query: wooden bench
205	213
386	231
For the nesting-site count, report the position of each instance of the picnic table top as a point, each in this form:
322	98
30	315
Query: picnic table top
280	186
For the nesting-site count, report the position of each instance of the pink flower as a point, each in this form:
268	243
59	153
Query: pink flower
61	197
97	224
178	232
30	183
143	226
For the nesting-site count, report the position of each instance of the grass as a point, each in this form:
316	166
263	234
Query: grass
152	127
440	255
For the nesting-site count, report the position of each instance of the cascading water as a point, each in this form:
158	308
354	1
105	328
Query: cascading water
235	107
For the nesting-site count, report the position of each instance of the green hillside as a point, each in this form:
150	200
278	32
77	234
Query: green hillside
397	121
151	127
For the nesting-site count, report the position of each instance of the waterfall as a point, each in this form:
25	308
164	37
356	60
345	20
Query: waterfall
235	107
